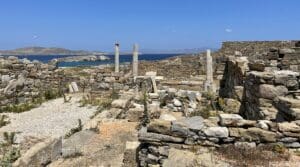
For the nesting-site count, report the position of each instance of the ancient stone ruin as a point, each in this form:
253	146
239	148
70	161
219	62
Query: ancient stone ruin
188	110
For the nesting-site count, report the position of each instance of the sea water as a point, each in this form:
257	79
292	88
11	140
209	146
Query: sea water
123	59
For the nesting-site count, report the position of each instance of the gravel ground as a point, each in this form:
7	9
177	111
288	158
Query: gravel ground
53	118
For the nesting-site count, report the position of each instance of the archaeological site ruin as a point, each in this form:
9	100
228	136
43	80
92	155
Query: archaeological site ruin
237	106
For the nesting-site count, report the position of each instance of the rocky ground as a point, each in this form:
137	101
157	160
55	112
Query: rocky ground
105	148
54	118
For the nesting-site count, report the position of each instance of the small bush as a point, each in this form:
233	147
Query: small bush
51	94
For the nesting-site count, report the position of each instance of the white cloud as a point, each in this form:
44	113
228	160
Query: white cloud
35	37
229	30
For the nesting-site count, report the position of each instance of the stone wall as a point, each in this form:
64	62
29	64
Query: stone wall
270	95
250	48
23	82
161	137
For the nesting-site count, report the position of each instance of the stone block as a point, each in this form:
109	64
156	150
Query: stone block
228	119
41	154
160	126
217	132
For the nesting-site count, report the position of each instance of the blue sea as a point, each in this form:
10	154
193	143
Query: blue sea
123	59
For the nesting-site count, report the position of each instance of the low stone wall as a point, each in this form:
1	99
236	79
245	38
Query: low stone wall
161	136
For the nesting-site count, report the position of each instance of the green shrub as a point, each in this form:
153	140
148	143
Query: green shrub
51	94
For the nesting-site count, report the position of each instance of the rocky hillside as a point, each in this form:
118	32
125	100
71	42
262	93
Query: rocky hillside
46	51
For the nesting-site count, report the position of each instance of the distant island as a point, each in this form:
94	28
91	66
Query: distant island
46	51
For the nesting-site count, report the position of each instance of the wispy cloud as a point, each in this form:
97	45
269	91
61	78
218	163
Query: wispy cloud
35	37
228	30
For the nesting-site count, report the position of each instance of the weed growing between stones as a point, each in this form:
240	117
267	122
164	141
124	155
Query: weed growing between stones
259	156
9	155
9	138
8	152
51	94
4	120
101	101
74	130
18	108
22	107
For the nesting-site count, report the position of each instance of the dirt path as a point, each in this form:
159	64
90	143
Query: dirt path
53	118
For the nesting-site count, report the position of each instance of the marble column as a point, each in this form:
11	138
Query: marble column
209	83
117	55
135	60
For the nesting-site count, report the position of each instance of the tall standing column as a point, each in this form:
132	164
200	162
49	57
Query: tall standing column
117	55
209	85
135	60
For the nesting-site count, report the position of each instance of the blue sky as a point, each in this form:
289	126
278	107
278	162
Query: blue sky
154	24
